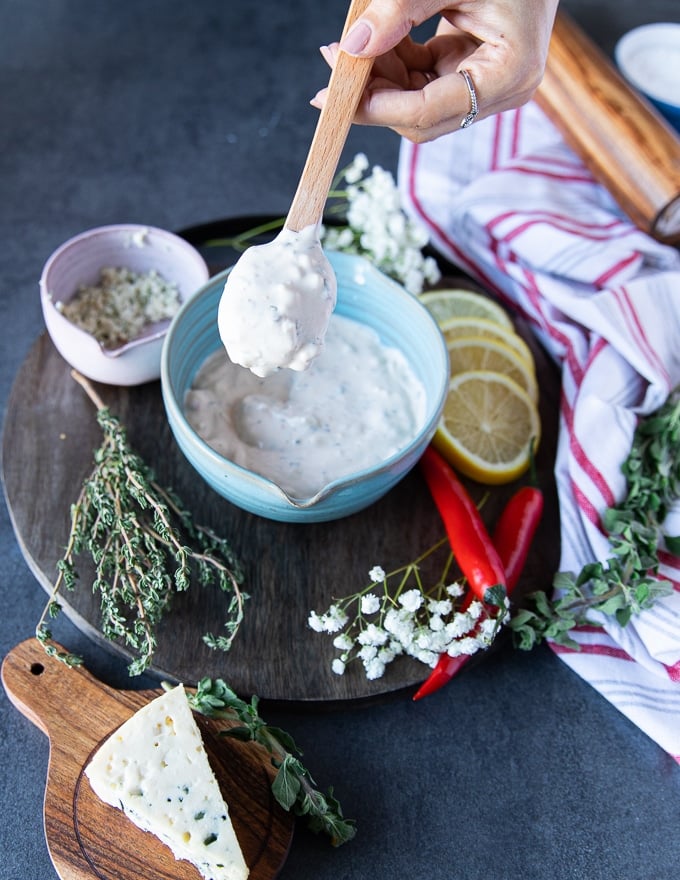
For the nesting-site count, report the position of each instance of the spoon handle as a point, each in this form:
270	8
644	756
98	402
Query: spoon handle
347	83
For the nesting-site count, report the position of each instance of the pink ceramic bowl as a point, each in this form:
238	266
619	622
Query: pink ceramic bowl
80	260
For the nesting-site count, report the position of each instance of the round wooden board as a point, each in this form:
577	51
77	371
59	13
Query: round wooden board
50	435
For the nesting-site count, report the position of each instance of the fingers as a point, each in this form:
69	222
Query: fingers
385	23
417	90
423	115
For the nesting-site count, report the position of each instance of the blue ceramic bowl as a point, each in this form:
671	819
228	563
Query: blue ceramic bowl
649	58
365	295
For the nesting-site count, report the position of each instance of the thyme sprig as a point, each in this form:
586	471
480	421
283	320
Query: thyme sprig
628	582
145	547
293	786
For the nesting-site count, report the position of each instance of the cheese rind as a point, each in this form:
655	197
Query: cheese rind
155	768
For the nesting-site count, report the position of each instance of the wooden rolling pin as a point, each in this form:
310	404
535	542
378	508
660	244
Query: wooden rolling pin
627	145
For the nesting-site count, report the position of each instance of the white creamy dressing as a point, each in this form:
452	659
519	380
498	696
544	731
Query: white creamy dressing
357	404
277	302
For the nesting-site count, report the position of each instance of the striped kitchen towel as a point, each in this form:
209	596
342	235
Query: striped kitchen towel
509	203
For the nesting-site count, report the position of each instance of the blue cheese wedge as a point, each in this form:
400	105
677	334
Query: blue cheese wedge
155	768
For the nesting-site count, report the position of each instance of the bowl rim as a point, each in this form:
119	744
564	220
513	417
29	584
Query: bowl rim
657	33
177	241
425	433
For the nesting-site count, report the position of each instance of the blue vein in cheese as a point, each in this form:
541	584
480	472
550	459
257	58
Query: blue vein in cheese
155	768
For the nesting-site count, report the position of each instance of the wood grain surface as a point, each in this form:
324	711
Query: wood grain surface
625	142
291	568
86	837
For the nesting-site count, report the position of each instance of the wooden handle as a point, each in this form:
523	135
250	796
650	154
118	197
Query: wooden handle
47	692
625	143
347	83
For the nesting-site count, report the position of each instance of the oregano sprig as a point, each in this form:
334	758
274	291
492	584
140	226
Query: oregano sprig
628	582
293	786
145	547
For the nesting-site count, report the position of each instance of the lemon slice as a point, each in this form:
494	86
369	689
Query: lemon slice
459	328
478	353
460	303
488	427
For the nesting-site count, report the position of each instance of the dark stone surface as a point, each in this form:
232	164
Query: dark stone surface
172	114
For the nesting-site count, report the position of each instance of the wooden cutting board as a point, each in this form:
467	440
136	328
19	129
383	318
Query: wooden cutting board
291	568
87	838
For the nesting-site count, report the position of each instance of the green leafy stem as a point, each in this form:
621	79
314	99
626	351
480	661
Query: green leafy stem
293	786
145	547
628	582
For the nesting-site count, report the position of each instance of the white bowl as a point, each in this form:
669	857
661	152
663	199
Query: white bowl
80	260
649	58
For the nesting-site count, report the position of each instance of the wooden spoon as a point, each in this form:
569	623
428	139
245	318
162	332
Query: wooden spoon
347	83
278	298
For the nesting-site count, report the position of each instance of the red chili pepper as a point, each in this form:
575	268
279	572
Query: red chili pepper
512	538
515	531
470	542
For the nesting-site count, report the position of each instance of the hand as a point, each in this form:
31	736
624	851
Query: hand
416	88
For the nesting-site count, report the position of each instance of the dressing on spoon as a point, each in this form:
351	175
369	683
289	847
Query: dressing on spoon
278	298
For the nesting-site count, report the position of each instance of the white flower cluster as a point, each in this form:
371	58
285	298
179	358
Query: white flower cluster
378	229
410	623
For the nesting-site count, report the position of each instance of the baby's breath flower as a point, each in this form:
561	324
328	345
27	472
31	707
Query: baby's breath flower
332	621
388	653
356	168
400	625
460	624
455	590
475	609
367	653
375	668
463	646
315	622
377	574
411	600
429	658
370	603
407	618
439	606
372	635
377	227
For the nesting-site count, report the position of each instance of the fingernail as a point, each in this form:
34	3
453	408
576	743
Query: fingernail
357	38
326	54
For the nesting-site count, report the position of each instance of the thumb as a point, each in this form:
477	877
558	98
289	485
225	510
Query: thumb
384	24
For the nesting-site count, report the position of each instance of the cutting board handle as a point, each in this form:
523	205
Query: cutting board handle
47	692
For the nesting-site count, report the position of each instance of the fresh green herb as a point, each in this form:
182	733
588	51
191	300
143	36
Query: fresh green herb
293	786
138	535
628	582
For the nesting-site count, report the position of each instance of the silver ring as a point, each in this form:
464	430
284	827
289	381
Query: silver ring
474	107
